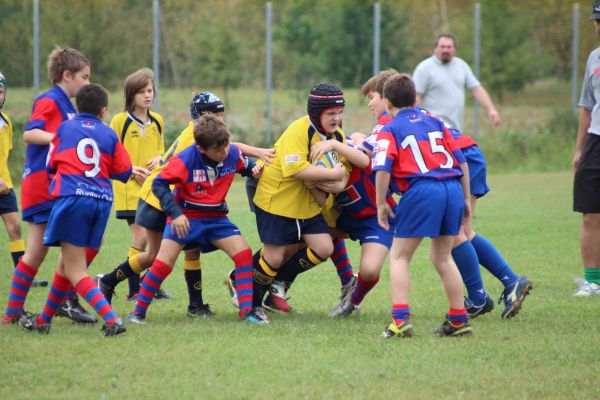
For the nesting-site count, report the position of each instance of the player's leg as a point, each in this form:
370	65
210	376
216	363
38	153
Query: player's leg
590	254
25	272
343	265
400	256
138	245
16	244
192	269
158	272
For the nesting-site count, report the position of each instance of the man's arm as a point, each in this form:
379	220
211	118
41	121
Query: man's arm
585	119
482	96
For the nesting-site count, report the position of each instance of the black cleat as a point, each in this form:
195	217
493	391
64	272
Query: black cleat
70	308
117	328
447	329
13	320
163	295
137	318
29	323
39	283
199	310
475	311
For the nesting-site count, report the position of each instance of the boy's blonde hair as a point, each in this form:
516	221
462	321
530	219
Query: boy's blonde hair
65	59
134	83
376	82
210	132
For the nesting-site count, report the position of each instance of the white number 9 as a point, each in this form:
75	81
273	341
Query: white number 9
84	158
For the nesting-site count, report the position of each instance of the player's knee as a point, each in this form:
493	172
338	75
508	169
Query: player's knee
591	221
13	231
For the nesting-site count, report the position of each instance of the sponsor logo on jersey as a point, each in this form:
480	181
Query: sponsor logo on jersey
199	175
414	118
292	158
88	124
379	152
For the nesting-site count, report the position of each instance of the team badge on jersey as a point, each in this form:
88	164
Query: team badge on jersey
199	175
292	158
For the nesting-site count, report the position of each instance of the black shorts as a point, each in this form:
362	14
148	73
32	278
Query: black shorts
278	230
8	202
126	214
586	186
149	217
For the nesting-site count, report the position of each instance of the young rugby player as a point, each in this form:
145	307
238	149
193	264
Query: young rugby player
419	153
86	154
68	71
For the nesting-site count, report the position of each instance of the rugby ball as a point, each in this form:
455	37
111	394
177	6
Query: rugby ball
327	160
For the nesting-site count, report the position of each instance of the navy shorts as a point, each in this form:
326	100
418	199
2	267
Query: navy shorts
203	231
8	202
281	231
477	171
78	220
149	217
430	208
586	187
366	230
129	215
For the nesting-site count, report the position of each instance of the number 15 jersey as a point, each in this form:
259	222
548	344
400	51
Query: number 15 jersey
85	155
415	146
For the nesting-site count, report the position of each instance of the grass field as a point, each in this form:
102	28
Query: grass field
548	351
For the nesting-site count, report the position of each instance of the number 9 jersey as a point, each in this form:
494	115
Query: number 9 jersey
85	155
415	146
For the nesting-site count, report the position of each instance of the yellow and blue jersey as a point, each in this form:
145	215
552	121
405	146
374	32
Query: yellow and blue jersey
6	145
278	192
143	141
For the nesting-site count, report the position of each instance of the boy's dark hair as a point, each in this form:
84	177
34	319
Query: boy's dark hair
67	59
134	83
210	132
400	91
91	99
444	35
376	82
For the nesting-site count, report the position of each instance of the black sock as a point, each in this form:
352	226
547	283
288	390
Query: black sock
119	274
193	278
261	279
298	263
134	284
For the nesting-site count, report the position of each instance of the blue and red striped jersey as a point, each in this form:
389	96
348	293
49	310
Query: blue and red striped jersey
462	140
416	146
85	155
50	109
358	199
200	183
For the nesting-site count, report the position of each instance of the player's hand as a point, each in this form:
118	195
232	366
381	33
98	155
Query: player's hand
575	161
383	212
329	186
338	172
140	174
3	187
153	162
257	171
266	155
310	184
494	117
320	148
180	226
358	138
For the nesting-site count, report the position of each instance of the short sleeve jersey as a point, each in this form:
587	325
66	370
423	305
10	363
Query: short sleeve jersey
6	130
50	109
183	141
143	142
278	192
442	88
85	155
414	146
590	92
199	188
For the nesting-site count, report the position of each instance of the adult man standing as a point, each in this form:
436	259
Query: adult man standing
441	81
586	164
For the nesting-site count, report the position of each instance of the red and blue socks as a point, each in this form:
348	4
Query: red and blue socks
491	260
150	285
90	254
243	280
17	249
22	278
362	288
87	289
58	291
457	316
342	261
466	260
400	314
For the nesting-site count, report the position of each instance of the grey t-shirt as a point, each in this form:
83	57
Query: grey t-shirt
590	92
442	88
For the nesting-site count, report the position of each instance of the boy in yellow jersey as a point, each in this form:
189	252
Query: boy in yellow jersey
141	131
150	216
8	200
286	210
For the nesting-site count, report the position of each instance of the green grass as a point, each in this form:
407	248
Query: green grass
549	350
